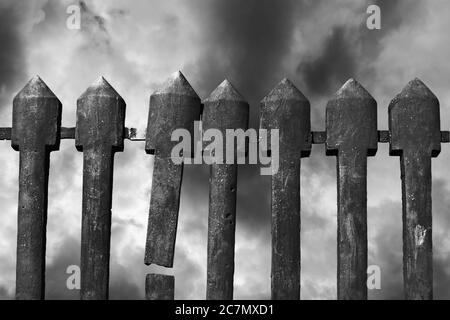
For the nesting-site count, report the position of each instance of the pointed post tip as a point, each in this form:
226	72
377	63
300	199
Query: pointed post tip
177	84
352	89
36	87
284	90
177	75
416	88
225	83
226	91
100	81
101	87
36	78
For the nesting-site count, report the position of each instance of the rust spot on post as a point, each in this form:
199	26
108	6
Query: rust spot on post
99	134
414	122
35	133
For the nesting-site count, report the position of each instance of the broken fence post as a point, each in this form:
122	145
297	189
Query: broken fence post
352	136
414	123
35	133
99	134
175	106
224	109
159	287
285	108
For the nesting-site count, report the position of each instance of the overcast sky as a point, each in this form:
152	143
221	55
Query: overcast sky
137	44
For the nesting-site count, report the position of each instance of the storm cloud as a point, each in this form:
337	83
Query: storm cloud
137	44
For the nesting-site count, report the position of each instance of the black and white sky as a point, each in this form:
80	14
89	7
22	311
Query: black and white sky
137	44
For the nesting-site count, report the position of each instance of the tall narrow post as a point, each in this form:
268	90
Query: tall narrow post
175	106
351	119
414	124
286	109
98	134
224	109
35	133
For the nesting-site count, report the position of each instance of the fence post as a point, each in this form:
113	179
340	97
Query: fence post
175	106
159	287
224	109
351	120
414	124
285	108
35	133
99	134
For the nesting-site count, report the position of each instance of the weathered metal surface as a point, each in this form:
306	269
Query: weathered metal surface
159	287
285	108
351	120
35	133
414	123
99	134
175	106
224	109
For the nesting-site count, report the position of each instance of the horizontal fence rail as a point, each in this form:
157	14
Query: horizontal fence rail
134	134
351	136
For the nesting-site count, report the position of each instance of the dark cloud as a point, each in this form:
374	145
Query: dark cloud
396	13
246	42
93	27
347	51
335	64
12	54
